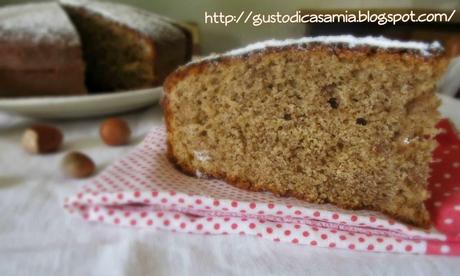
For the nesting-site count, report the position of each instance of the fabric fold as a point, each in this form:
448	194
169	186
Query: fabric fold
143	189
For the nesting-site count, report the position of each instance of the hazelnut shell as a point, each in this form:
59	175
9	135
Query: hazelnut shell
78	165
115	132
42	139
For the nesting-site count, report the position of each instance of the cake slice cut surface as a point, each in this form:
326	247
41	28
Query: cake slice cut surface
341	120
124	47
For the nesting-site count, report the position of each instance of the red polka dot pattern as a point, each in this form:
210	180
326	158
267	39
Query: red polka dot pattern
144	190
444	184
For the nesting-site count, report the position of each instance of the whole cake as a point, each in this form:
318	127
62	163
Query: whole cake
79	46
342	120
40	52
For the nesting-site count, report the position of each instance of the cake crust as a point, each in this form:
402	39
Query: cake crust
433	58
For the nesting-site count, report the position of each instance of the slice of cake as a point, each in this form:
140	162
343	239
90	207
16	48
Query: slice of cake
40	52
125	47
339	119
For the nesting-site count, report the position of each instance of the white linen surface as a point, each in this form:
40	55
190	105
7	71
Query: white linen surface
37	237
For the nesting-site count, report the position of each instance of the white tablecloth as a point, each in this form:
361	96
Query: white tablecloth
37	237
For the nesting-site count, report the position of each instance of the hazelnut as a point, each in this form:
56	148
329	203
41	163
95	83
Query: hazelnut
78	165
115	132
41	139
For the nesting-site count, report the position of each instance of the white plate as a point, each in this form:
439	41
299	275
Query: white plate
81	106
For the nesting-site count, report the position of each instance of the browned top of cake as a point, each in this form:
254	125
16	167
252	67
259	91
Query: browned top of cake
340	43
36	36
39	23
154	26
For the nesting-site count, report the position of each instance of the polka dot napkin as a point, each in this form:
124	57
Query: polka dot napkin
143	189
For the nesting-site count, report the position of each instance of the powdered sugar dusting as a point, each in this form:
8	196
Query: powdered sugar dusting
350	41
147	23
199	174
201	155
37	23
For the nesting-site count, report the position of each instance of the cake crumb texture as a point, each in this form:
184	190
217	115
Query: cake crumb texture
322	122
